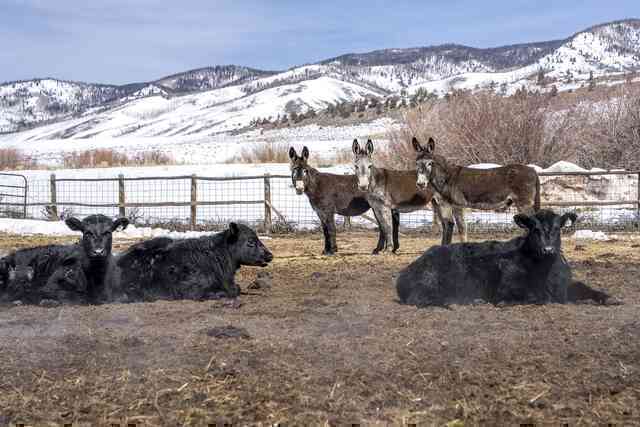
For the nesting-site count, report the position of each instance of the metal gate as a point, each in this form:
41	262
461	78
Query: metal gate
13	195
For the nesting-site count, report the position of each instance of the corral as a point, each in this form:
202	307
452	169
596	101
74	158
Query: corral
323	341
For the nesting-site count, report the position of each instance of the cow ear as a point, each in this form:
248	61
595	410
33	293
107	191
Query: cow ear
355	146
120	222
292	153
74	224
416	145
234	232
369	147
523	221
305	153
431	145
568	216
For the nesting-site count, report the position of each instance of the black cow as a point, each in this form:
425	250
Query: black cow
94	257
197	268
82	272
27	274
526	269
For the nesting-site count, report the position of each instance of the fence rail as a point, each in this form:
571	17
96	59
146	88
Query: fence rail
607	199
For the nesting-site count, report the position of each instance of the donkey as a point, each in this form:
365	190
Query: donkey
330	194
389	190
488	189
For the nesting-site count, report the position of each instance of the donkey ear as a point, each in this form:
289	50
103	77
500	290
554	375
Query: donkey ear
292	153
523	221
305	153
369	147
355	146
568	216
74	224
431	145
416	145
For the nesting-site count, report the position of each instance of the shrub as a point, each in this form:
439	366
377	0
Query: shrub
488	128
108	158
14	159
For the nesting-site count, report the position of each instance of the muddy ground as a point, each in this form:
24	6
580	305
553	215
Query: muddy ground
329	344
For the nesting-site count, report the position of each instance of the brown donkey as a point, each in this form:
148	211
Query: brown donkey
389	190
490	189
330	194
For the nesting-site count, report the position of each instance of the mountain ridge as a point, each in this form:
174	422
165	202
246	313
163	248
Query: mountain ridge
601	49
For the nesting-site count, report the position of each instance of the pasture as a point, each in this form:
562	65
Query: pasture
328	344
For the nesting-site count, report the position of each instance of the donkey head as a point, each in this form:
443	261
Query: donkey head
299	169
543	231
424	161
363	164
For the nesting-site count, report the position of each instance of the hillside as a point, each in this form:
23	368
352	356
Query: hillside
230	98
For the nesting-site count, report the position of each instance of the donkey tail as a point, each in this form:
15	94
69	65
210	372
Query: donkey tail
536	200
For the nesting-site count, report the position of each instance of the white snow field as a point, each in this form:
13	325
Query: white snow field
288	207
322	141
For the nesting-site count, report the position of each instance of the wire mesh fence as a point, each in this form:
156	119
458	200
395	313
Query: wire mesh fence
607	200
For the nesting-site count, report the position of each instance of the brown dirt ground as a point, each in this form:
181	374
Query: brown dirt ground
329	344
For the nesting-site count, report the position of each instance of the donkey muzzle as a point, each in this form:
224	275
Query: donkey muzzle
363	184
299	187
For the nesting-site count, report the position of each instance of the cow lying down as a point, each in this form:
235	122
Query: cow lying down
529	269
197	268
76	273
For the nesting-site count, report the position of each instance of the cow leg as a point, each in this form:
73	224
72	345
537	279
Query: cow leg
458	214
395	223
579	291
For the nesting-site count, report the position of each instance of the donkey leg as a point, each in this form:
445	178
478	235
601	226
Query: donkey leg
385	219
445	213
381	239
395	223
458	214
331	231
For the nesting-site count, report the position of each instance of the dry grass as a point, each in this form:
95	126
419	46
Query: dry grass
14	159
271	152
109	158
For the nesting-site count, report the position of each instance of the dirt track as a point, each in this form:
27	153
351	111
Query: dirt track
329	343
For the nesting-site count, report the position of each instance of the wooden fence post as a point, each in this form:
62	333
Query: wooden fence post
54	197
268	225
194	200
121	197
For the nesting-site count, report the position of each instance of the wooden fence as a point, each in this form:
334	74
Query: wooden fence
123	204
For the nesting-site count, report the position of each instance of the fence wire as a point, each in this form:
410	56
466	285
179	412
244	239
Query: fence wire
607	201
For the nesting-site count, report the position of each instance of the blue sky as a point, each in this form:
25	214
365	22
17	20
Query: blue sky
123	41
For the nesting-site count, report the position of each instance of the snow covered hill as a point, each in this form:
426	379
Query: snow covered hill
218	99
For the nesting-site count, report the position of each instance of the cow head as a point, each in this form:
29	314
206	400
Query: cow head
246	247
424	161
543	231
363	164
97	233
